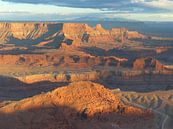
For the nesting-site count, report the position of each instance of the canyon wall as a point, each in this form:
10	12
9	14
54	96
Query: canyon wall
89	34
60	77
22	31
57	60
135	34
35	33
148	63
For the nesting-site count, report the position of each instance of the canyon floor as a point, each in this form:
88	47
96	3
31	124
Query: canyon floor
73	76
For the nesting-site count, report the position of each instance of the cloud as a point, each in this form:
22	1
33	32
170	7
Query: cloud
157	4
71	9
145	16
122	5
76	3
25	16
43	8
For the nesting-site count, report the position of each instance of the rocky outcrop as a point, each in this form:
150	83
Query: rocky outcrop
135	35
80	105
60	77
88	34
148	63
46	33
55	59
75	30
22	31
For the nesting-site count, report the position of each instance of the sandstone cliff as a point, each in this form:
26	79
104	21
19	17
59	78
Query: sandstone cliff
22	31
135	34
148	63
60	77
55	59
47	33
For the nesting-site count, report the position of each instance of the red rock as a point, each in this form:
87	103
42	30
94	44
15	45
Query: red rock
135	34
79	105
144	63
49	32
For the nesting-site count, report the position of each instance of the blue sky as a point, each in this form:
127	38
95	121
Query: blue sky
142	10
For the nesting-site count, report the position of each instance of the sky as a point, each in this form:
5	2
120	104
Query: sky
52	10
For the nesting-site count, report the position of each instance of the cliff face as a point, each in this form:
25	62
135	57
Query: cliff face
22	31
61	77
44	33
135	34
148	63
85	33
28	33
80	61
75	30
98	34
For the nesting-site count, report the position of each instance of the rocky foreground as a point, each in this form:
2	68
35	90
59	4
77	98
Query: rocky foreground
79	105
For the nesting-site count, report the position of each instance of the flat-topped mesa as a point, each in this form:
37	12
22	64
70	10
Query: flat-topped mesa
28	31
46	33
85	33
135	34
22	31
78	30
75	30
99	34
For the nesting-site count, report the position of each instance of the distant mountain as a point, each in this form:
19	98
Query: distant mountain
96	18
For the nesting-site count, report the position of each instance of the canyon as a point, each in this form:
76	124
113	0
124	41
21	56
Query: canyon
77	76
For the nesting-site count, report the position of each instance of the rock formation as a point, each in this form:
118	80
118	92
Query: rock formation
161	50
147	63
56	60
22	31
80	105
135	34
46	33
60	77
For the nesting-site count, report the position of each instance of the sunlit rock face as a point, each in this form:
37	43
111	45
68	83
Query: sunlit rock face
151	63
135	34
47	32
22	31
78	105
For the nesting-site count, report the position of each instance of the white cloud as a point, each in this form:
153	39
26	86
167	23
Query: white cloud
161	4
42	8
146	16
145	10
